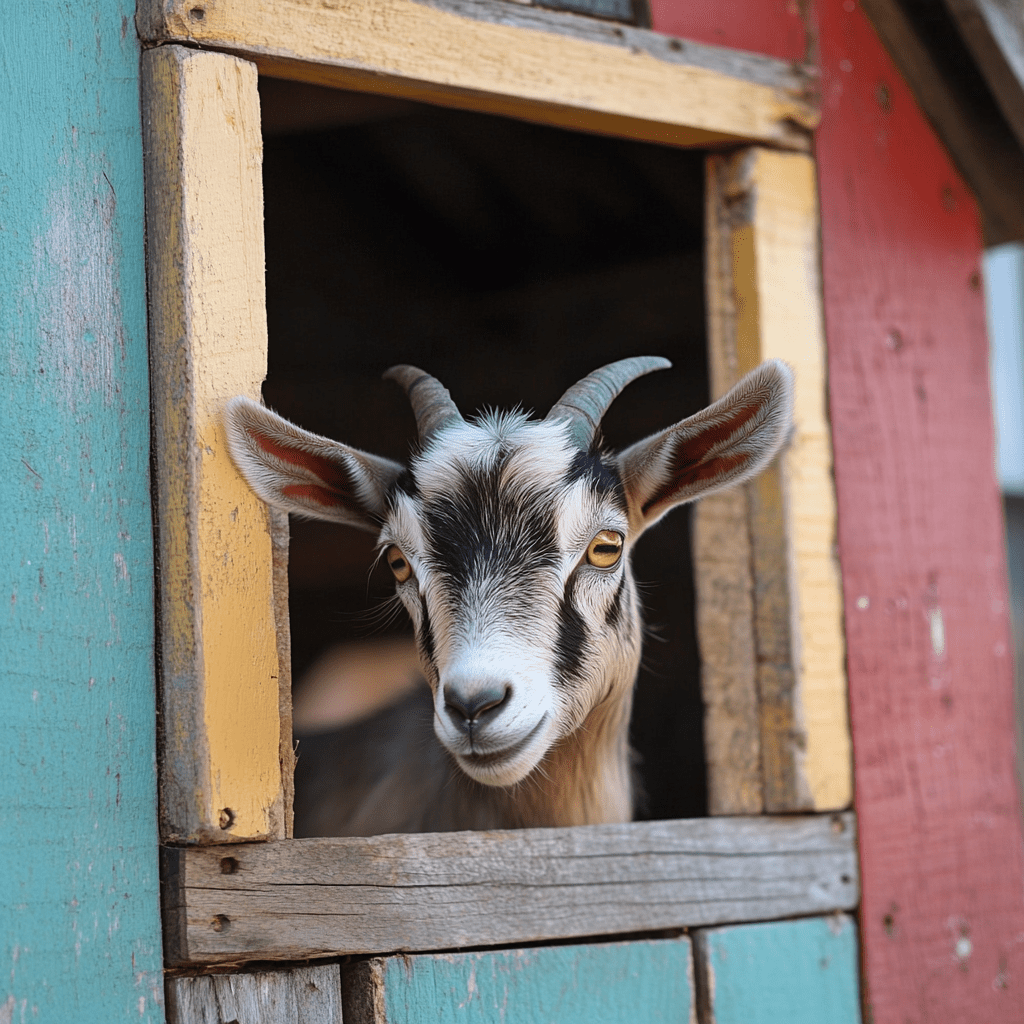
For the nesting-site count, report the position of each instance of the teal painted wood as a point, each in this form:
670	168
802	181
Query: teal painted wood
800	972
614	983
79	913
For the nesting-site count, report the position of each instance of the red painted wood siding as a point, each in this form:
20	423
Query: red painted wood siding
922	555
773	27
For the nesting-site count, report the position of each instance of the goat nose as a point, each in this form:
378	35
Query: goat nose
470	707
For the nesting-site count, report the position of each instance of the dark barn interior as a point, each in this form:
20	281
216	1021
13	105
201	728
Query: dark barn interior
509	260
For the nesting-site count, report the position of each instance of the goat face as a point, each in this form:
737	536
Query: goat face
508	545
510	539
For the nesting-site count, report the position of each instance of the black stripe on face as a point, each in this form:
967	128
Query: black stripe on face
406	484
484	528
572	636
602	476
426	637
611	617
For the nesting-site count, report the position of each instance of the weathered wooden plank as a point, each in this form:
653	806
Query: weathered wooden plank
79	907
800	972
723	559
280	535
302	995
616	10
921	542
776	693
606	983
315	897
988	157
221	774
508	59
994	31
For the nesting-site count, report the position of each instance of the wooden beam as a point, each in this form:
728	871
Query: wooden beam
775	692
302	995
990	159
510	59
922	548
994	32
221	774
321	897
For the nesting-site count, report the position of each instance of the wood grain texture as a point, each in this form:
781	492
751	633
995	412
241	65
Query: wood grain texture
302	995
509	59
316	897
280	535
606	983
800	972
920	530
722	556
79	908
221	774
778	732
772	27
990	160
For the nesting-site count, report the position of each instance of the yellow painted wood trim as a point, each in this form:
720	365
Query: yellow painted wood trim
221	771
782	241
589	81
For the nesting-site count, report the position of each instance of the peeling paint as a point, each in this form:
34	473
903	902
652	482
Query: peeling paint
937	631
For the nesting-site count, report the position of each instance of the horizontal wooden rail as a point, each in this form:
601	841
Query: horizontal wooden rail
321	897
503	58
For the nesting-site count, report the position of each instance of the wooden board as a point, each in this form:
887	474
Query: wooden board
921	545
989	157
221	773
317	897
800	972
605	983
302	995
504	58
775	690
79	900
773	27
994	31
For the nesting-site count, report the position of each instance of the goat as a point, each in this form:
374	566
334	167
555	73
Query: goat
509	540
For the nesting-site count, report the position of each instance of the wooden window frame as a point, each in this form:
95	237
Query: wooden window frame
236	885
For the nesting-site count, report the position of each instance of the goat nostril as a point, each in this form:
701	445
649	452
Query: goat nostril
471	707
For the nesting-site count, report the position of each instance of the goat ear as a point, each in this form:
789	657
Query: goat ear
304	473
724	444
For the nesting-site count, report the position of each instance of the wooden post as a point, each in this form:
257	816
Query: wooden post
222	776
79	907
921	543
769	599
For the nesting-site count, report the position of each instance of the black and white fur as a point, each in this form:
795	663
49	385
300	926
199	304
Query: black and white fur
531	650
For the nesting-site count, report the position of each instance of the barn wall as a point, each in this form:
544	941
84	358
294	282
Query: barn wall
80	935
921	548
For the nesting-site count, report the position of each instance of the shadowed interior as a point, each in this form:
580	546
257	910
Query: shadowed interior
509	260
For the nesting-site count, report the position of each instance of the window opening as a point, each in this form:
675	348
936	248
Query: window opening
509	260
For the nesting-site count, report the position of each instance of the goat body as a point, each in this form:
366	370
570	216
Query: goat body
510	543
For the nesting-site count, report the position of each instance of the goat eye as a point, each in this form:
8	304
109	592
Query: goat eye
399	563
605	549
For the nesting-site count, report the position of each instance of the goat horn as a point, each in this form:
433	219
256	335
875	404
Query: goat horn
430	400
586	402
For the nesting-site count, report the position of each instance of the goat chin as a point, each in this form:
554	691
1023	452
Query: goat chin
511	765
351	781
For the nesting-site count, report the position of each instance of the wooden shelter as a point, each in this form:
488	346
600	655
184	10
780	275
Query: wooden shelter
812	182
